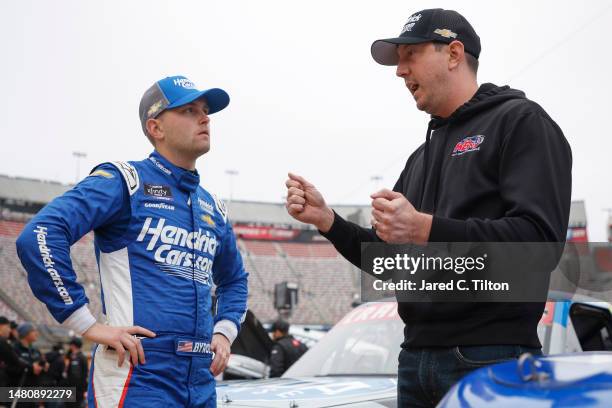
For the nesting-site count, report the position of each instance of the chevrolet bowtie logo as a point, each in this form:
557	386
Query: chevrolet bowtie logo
446	33
154	108
208	220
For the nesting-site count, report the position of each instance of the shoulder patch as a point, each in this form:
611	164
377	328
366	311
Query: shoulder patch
130	175
220	207
102	173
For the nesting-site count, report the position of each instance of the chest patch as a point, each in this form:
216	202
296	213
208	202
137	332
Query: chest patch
468	144
158	191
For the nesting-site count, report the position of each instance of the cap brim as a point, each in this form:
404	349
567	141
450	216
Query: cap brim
216	98
385	51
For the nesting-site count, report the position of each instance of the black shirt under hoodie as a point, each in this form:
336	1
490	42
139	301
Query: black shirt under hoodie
515	186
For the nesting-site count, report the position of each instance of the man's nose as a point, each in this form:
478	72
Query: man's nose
204	118
402	69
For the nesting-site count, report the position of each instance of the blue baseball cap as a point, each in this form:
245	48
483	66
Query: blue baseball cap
25	329
172	92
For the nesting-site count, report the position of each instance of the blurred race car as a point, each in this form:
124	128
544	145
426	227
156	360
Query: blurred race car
581	376
355	364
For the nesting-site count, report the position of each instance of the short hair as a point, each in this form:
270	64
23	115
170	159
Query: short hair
280	325
75	341
4	320
472	62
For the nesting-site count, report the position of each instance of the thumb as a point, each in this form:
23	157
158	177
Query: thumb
300	180
386	194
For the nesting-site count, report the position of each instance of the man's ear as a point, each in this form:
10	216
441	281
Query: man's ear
456	54
155	129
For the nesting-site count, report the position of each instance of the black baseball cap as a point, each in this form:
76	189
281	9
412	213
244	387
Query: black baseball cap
437	25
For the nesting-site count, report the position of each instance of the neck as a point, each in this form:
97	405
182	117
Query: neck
176	158
458	95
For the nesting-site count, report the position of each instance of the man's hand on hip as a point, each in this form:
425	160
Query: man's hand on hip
306	204
120	338
397	221
220	345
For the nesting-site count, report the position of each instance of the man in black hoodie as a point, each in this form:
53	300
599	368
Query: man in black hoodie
494	168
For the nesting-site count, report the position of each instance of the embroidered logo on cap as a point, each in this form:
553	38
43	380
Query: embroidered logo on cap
412	20
155	108
184	82
446	33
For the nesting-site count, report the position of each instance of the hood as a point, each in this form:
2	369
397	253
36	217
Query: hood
488	96
306	392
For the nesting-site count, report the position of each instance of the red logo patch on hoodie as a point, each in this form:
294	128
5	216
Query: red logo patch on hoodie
468	144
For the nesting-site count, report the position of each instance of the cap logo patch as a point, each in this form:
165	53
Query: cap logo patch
446	33
412	20
155	108
184	82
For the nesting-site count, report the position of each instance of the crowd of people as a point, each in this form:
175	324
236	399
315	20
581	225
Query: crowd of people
22	364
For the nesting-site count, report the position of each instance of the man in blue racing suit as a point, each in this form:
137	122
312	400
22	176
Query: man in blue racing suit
161	242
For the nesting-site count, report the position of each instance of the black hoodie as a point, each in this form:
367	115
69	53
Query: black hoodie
497	170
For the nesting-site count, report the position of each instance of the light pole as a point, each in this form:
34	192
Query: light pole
78	156
231	173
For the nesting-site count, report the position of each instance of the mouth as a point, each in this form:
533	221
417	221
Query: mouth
412	87
203	132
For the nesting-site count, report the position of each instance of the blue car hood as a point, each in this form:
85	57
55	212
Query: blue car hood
575	379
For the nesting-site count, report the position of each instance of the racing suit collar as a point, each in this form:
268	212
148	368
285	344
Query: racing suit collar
185	179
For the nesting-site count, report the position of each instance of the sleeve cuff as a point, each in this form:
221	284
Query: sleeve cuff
226	328
336	231
80	320
448	230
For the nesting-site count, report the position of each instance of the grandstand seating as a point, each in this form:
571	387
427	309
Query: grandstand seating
302	250
8	312
260	248
15	285
326	282
10	228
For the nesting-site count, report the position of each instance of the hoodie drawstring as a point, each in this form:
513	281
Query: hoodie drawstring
426	161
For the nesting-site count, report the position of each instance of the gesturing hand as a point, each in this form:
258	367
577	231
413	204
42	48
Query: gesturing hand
397	221
306	204
120	338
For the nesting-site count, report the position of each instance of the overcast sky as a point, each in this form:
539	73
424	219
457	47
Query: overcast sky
305	93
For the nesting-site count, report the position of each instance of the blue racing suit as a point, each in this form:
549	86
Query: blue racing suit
161	242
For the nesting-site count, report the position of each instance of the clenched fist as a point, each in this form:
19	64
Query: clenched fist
306	204
397	221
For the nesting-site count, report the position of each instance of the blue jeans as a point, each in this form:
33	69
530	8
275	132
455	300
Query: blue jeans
426	374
